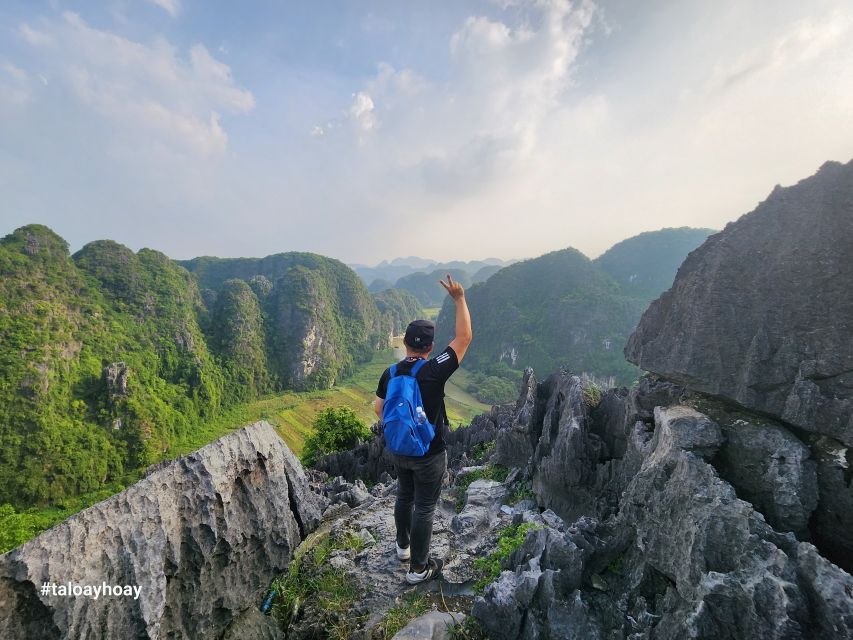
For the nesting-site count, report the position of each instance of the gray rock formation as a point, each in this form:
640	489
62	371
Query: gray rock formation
772	469
762	314
684	558
435	625
832	523
201	536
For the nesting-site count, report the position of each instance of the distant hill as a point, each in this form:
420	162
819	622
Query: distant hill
399	268
398	308
484	273
558	309
645	265
565	309
426	287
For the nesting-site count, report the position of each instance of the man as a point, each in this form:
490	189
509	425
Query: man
419	478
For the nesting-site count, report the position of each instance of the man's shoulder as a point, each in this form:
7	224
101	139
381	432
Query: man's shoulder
446	355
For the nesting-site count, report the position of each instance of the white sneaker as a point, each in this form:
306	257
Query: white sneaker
403	554
432	570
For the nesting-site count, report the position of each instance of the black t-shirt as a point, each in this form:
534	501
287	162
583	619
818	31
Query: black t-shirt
431	379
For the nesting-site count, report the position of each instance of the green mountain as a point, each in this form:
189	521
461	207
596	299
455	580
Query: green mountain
426	288
563	309
645	265
398	308
109	357
320	320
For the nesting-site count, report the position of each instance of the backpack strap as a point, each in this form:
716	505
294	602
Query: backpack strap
393	370
417	367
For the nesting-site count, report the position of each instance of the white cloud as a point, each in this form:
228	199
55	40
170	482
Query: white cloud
146	89
14	85
172	7
361	111
35	37
481	124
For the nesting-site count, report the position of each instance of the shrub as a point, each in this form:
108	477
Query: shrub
334	430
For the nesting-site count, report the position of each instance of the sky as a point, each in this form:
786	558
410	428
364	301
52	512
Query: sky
450	129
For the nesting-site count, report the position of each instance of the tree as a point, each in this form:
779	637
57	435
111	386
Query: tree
334	430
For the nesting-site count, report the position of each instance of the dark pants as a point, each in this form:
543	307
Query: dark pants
418	486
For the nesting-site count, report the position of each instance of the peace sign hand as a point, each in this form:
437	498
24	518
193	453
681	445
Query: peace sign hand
454	289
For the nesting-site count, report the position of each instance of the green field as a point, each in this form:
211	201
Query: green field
291	413
431	313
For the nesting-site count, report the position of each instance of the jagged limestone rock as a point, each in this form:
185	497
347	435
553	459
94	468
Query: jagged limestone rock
772	469
202	536
684	558
435	625
761	312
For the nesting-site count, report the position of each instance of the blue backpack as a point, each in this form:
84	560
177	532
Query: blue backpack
408	432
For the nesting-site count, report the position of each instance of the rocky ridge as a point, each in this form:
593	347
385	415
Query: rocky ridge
201	536
637	533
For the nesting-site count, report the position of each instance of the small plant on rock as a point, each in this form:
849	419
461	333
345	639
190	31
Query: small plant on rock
509	539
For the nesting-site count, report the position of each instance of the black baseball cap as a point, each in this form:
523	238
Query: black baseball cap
419	334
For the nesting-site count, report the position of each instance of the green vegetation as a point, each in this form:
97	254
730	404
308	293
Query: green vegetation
645	265
523	491
16	527
426	288
509	539
113	360
410	606
311	582
470	629
489	472
334	430
562	309
398	308
591	393
493	389
482	449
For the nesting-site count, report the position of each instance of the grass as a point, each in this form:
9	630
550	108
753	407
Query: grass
522	492
509	539
490	472
311	582
410	606
481	449
470	629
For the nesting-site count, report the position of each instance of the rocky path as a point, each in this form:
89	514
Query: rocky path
457	538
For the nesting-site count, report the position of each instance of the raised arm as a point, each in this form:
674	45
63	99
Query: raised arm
464	335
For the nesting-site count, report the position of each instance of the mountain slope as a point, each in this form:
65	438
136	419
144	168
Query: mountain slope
645	265
109	357
564	309
553	310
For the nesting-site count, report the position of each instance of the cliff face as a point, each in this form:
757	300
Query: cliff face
762	312
202	537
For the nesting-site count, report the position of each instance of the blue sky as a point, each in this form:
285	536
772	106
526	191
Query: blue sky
453	129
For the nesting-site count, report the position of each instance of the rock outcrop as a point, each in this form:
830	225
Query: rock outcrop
683	558
761	313
201	536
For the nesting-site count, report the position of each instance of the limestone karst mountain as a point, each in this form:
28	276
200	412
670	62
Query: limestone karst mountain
564	309
109	357
762	313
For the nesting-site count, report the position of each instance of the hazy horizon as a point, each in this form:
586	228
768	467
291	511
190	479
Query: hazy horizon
505	128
